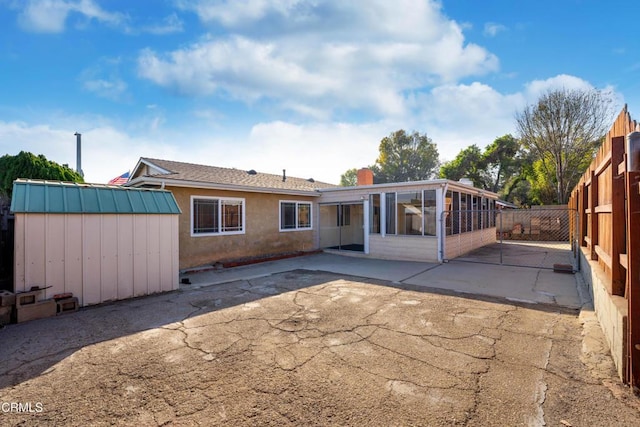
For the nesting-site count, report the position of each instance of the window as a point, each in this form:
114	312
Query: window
429	212
295	215
456	213
374	214
390	211
409	213
212	215
343	216
476	212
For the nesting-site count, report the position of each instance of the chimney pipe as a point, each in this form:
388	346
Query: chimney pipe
284	175
79	154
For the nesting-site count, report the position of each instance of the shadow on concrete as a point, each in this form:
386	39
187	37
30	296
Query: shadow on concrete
34	348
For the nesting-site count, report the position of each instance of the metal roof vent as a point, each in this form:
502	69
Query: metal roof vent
252	172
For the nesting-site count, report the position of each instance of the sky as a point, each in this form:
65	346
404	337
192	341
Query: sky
310	86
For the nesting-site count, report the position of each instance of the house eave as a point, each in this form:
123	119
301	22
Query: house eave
432	182
168	182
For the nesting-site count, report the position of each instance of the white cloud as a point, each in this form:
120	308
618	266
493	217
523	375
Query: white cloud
50	16
316	150
456	116
562	81
321	55
170	24
491	29
106	152
232	13
109	89
103	79
453	115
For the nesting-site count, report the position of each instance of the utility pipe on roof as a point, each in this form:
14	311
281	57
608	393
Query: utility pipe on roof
79	154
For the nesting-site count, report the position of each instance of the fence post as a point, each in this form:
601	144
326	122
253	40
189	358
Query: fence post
618	229
633	275
584	202
501	232
593	203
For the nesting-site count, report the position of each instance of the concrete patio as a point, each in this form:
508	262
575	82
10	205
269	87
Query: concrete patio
317	341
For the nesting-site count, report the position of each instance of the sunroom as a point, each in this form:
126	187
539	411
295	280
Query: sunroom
419	221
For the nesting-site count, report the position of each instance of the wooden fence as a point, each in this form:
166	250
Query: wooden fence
608	202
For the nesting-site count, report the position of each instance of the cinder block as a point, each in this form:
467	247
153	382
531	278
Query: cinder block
67	305
27	298
37	310
7	298
5	315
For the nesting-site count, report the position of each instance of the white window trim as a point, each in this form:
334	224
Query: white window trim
221	199
297	202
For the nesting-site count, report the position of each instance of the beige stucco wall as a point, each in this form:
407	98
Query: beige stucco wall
97	257
261	237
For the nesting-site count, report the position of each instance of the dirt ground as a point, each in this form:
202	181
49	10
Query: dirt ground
307	348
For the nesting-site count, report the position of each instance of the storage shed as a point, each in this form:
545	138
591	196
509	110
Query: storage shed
99	242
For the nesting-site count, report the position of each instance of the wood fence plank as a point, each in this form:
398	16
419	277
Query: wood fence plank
633	276
619	229
593	202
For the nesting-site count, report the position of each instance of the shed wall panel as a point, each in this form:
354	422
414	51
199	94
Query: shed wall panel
19	253
91	259
166	243
109	260
54	250
153	254
175	239
96	257
140	285
73	259
125	256
35	251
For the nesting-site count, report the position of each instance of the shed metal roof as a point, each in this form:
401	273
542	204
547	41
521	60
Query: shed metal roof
35	196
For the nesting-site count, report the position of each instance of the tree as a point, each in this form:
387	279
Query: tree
469	163
349	178
498	168
406	157
503	162
563	130
27	165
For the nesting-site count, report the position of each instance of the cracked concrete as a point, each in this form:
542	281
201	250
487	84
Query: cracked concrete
310	348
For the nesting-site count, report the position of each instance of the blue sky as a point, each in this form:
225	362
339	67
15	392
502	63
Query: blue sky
307	86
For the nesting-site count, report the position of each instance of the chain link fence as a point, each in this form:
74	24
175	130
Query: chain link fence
540	237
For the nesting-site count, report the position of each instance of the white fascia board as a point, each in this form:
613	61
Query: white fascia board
431	182
142	161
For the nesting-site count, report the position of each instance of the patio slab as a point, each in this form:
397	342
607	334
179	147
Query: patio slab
305	347
531	285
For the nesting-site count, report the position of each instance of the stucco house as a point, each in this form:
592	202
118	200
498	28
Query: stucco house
232	214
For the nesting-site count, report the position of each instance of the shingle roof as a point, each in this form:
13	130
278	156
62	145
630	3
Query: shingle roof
231	177
37	196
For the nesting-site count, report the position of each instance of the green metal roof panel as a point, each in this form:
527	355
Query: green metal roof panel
34	196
